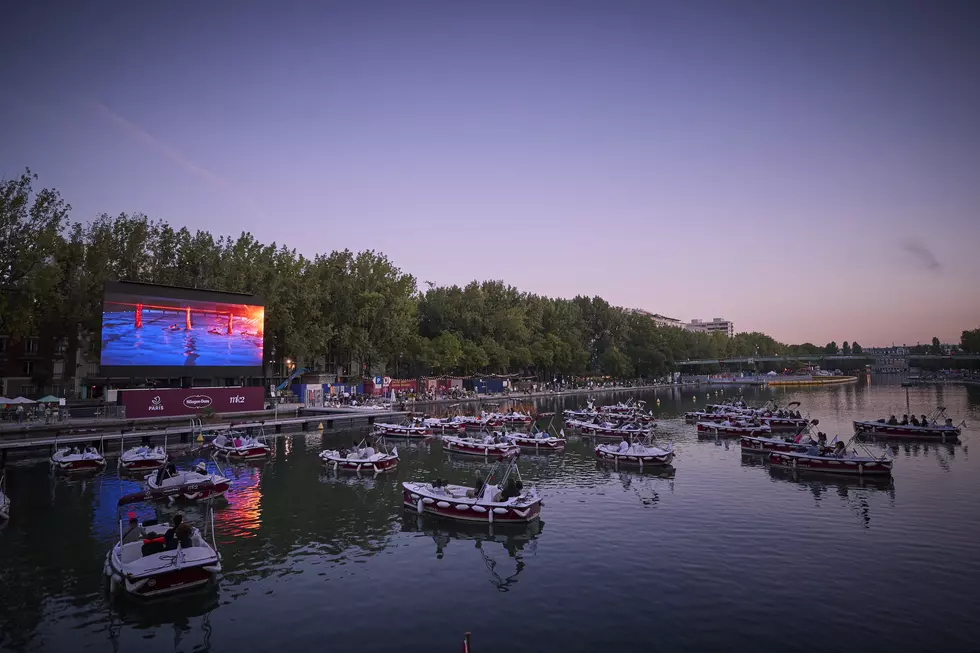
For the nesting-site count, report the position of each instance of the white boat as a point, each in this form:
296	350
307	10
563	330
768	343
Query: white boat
538	441
238	446
506	502
142	458
485	446
4	499
193	485
362	458
402	430
840	460
75	459
636	454
150	561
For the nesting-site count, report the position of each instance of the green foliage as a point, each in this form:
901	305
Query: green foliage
936	349
831	348
970	341
338	310
845	349
856	349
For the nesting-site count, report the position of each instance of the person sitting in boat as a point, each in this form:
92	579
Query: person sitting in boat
924	421
813	450
220	441
237	441
949	422
367	452
914	421
133	531
170	537
893	421
183	536
477	485
624	446
201	468
840	449
905	420
510	490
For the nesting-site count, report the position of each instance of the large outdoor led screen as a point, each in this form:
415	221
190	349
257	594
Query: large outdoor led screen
150	329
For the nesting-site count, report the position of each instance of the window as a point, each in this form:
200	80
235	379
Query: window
31	346
60	345
28	368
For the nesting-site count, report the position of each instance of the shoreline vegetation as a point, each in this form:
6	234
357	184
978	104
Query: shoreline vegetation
345	313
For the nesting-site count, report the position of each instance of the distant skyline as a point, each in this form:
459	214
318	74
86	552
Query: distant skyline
811	171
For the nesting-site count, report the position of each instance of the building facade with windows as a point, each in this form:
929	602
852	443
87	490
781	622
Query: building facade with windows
658	319
716	325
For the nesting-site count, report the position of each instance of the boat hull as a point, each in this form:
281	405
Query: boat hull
633	459
78	466
346	465
481	450
858	467
141	465
711	430
165	583
403	431
767	445
906	431
470	512
538	445
243	453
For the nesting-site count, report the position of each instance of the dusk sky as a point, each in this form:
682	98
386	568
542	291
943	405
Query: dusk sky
810	170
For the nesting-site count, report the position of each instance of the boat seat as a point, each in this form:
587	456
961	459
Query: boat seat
131	551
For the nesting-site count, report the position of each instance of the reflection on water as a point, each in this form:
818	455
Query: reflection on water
490	541
698	542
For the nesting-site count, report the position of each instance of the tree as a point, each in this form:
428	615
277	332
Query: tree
970	341
856	349
845	349
831	348
936	348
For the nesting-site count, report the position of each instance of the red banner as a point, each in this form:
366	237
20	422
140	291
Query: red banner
171	402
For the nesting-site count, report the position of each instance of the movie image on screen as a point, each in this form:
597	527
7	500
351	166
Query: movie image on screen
157	328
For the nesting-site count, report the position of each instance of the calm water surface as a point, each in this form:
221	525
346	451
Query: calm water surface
724	554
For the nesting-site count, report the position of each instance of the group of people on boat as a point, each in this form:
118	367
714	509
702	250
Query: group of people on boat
358	452
512	488
910	421
75	451
787	414
223	441
179	533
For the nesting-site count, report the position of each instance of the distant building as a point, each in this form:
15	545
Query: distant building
716	325
658	319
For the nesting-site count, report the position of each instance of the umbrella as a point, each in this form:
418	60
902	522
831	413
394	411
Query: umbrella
4	400
50	399
22	400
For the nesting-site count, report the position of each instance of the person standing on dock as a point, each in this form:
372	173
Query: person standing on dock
20	414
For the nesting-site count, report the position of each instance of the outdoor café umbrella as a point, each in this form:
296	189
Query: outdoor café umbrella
5	400
22	400
50	399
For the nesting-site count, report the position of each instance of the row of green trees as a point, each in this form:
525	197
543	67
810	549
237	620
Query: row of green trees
332	308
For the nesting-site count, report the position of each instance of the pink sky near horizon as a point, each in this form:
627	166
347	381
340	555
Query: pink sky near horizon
812	172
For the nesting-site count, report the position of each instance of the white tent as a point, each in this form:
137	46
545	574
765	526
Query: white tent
22	400
4	400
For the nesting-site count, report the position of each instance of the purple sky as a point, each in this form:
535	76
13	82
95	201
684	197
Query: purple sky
811	171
